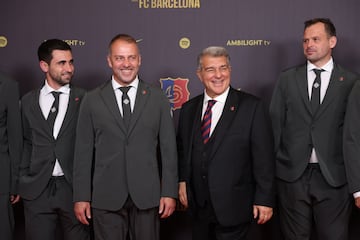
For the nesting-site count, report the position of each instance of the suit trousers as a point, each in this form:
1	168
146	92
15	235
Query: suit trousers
206	226
128	223
6	217
53	206
310	202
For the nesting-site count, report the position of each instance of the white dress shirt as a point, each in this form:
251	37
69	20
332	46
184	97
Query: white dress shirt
217	109
46	100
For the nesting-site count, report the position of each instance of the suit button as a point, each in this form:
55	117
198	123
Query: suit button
203	177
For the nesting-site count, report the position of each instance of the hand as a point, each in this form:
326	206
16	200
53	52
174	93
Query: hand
82	212
182	194
263	213
14	199
167	206
357	202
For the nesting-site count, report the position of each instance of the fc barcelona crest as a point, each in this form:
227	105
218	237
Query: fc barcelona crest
176	91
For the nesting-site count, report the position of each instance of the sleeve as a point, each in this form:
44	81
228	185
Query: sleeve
14	132
167	140
352	139
84	153
262	150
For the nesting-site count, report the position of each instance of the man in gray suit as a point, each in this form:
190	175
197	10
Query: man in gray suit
125	160
307	110
49	116
352	143
10	149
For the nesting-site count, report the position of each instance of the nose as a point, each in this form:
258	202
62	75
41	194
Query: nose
69	67
218	73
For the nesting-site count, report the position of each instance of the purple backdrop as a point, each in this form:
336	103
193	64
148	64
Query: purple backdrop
263	38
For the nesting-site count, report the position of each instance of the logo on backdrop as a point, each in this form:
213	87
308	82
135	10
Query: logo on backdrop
3	41
176	91
247	42
184	43
168	4
75	42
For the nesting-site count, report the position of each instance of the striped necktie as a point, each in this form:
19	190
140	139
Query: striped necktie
206	122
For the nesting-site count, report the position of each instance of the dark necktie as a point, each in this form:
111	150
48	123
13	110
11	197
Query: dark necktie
206	122
315	94
54	109
125	100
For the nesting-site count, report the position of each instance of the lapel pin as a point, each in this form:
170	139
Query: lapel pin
144	92
77	99
341	78
232	108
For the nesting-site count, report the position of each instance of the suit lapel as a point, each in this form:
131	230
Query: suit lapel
142	96
73	105
38	115
108	95
331	92
227	116
302	83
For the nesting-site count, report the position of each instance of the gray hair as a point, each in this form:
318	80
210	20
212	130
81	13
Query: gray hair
213	51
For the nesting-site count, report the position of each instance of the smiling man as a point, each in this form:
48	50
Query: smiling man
307	110
125	172
49	117
226	162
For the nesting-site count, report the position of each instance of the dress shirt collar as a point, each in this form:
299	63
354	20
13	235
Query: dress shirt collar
221	98
116	85
328	67
46	89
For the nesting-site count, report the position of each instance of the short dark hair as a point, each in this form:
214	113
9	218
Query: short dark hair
47	47
329	26
124	37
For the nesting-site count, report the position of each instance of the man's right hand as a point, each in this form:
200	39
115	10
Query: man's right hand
82	212
182	194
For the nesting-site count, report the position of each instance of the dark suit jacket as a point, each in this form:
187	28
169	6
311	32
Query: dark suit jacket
10	135
241	167
41	149
295	128
352	139
112	162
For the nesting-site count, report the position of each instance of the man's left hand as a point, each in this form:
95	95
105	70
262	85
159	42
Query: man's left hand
167	207
262	213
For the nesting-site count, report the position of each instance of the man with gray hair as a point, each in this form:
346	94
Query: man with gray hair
226	162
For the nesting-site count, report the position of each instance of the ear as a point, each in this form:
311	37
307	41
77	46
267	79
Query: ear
333	41
109	61
198	73
44	66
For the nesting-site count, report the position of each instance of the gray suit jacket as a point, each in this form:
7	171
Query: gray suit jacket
352	139
295	128
10	135
41	149
112	163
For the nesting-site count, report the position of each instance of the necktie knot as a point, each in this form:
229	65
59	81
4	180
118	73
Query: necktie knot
211	103
125	90
318	77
